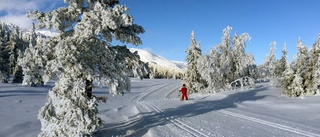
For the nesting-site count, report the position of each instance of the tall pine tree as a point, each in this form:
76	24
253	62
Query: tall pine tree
301	68
314	75
4	53
81	52
270	61
192	78
227	63
281	64
33	60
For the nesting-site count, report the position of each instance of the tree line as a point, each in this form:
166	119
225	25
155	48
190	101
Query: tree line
225	67
13	43
228	67
299	78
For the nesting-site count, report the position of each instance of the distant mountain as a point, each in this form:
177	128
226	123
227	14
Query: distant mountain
180	64
149	57
9	28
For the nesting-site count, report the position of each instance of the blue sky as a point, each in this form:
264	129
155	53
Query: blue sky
168	23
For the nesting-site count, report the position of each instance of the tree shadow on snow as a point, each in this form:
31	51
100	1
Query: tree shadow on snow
202	107
136	127
24	91
142	122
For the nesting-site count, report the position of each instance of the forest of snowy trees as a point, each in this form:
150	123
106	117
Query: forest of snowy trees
161	72
228	67
301	76
13	43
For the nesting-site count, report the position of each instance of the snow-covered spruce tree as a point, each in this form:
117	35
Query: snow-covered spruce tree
224	57
4	53
215	67
315	51
12	46
305	78
301	70
33	60
12	43
192	76
280	67
315	64
281	64
316	79
297	86
206	65
260	72
270	61
80	52
15	45
244	63
288	76
227	63
17	72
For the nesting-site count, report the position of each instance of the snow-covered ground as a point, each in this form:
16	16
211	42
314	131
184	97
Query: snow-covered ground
153	109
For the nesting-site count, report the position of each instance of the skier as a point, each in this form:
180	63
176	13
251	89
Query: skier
184	92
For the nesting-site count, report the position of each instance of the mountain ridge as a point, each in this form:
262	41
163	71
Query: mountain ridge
149	57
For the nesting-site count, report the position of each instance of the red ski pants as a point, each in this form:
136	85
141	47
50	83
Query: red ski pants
184	96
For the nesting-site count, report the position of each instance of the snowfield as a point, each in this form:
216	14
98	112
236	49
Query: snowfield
153	109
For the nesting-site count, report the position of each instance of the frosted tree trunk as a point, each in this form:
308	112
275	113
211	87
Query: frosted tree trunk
89	86
69	112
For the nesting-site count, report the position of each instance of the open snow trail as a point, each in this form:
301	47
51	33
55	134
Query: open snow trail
160	113
153	109
152	119
178	123
271	124
169	95
158	91
144	96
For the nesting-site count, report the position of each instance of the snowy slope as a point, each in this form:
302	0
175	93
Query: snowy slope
147	56
48	33
153	109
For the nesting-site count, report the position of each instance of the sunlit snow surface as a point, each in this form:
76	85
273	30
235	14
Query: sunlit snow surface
153	109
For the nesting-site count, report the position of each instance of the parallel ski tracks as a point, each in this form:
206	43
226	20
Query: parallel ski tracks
171	92
148	93
176	122
271	124
195	132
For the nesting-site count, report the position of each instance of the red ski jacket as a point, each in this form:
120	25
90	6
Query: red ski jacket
183	90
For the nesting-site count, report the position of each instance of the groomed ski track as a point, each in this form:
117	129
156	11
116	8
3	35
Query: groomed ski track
163	114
